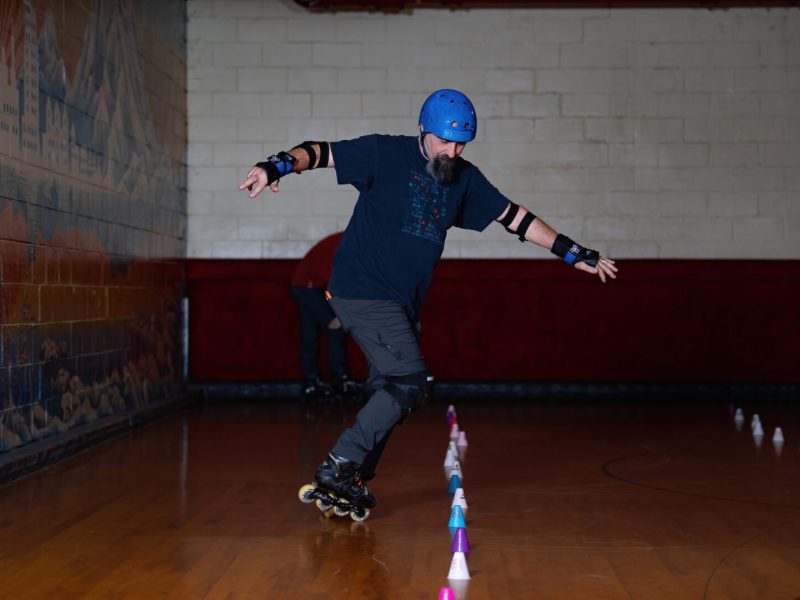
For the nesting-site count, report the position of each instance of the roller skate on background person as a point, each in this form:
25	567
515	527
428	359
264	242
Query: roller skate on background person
348	390
316	390
338	488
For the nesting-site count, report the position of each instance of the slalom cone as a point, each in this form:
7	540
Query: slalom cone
449	459
455	469
455	483
755	420
739	415
462	439
447	594
758	430
453	448
458	567
457	519
460	588
460	542
777	438
460	500
454	431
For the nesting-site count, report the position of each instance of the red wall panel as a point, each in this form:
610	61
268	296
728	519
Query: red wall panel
661	321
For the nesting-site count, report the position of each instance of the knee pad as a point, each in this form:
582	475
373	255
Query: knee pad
421	386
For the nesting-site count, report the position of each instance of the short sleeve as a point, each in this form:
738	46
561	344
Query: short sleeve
354	161
483	203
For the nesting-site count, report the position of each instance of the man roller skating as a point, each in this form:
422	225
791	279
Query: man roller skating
411	191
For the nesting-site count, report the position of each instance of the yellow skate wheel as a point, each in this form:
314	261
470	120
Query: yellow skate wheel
305	493
363	517
327	509
340	512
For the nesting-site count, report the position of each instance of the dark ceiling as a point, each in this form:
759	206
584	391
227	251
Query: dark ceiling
407	5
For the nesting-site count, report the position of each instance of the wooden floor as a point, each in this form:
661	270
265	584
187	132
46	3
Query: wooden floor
568	500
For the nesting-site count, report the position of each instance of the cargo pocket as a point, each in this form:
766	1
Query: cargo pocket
392	349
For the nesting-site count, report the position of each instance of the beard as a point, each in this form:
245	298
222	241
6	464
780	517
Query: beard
442	168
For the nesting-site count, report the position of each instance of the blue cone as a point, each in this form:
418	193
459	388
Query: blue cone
455	483
457	519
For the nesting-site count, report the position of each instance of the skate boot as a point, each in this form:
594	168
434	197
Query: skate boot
315	390
346	389
339	489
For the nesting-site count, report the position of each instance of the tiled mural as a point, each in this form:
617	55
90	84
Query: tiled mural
92	210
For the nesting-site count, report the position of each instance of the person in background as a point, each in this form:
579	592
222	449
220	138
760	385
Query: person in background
309	281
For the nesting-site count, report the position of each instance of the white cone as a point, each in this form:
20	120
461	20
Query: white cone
454	431
458	567
460	500
758	431
453	448
778	446
462	439
449	459
755	420
778	437
456	470
739	415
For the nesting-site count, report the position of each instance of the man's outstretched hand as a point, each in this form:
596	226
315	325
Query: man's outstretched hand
256	182
605	268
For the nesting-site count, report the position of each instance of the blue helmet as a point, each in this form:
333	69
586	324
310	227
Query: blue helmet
450	115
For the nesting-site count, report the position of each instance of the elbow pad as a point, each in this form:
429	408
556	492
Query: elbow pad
524	224
324	154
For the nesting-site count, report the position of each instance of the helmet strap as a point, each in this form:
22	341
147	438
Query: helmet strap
422	148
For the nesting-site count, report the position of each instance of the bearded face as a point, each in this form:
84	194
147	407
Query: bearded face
442	168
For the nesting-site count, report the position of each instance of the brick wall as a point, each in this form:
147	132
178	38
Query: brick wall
92	212
668	133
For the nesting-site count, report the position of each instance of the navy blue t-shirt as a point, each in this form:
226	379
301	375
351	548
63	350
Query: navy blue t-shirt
396	234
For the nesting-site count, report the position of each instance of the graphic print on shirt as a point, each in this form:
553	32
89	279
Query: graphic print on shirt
427	214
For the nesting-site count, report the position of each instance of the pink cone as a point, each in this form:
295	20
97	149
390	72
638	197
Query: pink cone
446	594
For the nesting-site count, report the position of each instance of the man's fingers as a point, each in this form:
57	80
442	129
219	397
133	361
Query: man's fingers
609	265
606	268
258	188
274	186
248	183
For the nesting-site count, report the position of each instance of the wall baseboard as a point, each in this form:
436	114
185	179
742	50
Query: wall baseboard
532	390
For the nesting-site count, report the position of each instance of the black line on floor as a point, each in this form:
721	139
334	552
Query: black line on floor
608	473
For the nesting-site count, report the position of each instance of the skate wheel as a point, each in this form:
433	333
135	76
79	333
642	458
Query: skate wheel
305	494
340	512
362	517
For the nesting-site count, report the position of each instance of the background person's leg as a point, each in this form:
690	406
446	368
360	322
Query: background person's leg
309	333
337	357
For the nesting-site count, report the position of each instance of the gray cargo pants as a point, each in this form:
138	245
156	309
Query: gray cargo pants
389	341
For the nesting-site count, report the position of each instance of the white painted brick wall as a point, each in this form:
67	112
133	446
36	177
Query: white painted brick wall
644	133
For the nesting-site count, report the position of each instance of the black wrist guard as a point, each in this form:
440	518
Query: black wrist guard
277	166
572	253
